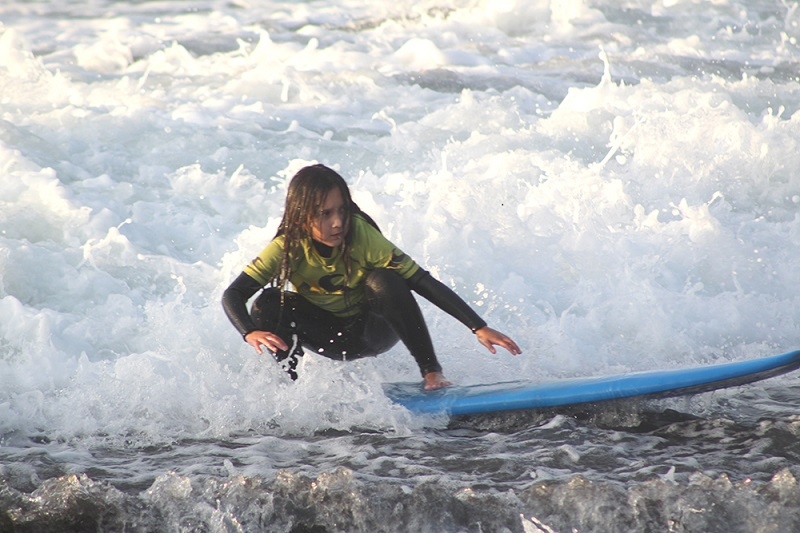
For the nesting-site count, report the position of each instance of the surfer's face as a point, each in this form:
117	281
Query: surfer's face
330	224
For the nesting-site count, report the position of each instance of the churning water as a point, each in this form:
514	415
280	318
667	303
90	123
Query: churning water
612	183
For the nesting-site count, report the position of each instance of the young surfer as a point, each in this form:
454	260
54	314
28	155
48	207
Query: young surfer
352	287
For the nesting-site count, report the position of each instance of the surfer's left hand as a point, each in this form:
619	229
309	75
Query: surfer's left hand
491	337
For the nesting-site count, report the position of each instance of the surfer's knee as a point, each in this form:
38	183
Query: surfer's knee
383	285
266	304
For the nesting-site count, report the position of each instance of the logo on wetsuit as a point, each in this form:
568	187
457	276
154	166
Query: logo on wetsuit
336	282
397	259
332	282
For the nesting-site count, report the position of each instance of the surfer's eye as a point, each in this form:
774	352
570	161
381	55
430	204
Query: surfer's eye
328	213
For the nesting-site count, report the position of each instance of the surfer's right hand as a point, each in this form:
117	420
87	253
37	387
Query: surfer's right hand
435	380
258	338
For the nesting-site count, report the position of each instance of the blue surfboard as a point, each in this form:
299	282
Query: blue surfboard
516	395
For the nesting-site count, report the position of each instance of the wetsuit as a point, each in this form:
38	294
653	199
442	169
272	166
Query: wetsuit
361	316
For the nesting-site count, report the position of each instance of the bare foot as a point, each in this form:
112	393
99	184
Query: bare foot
435	380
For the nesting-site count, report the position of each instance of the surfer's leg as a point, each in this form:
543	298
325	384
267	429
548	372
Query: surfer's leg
391	303
345	339
393	315
301	324
271	314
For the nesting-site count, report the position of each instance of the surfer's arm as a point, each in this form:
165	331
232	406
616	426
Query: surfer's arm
445	299
451	303
234	302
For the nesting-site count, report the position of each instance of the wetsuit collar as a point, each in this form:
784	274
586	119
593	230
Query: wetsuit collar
323	249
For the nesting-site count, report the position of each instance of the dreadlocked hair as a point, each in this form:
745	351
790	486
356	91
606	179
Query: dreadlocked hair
305	196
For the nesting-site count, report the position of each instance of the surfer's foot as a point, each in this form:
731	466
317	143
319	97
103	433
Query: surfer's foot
435	380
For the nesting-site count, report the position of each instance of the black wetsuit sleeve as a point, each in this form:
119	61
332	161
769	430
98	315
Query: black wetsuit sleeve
445	299
234	302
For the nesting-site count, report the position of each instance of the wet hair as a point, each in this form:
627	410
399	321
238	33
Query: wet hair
306	194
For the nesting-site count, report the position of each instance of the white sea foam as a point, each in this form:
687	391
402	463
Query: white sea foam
613	186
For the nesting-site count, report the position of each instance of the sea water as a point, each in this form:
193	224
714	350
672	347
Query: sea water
613	184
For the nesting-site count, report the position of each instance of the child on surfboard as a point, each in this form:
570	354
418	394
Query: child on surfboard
352	287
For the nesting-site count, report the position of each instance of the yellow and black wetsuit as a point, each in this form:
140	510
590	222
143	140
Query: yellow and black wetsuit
343	317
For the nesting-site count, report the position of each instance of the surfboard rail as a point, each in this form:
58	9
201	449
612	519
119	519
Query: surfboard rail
517	395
